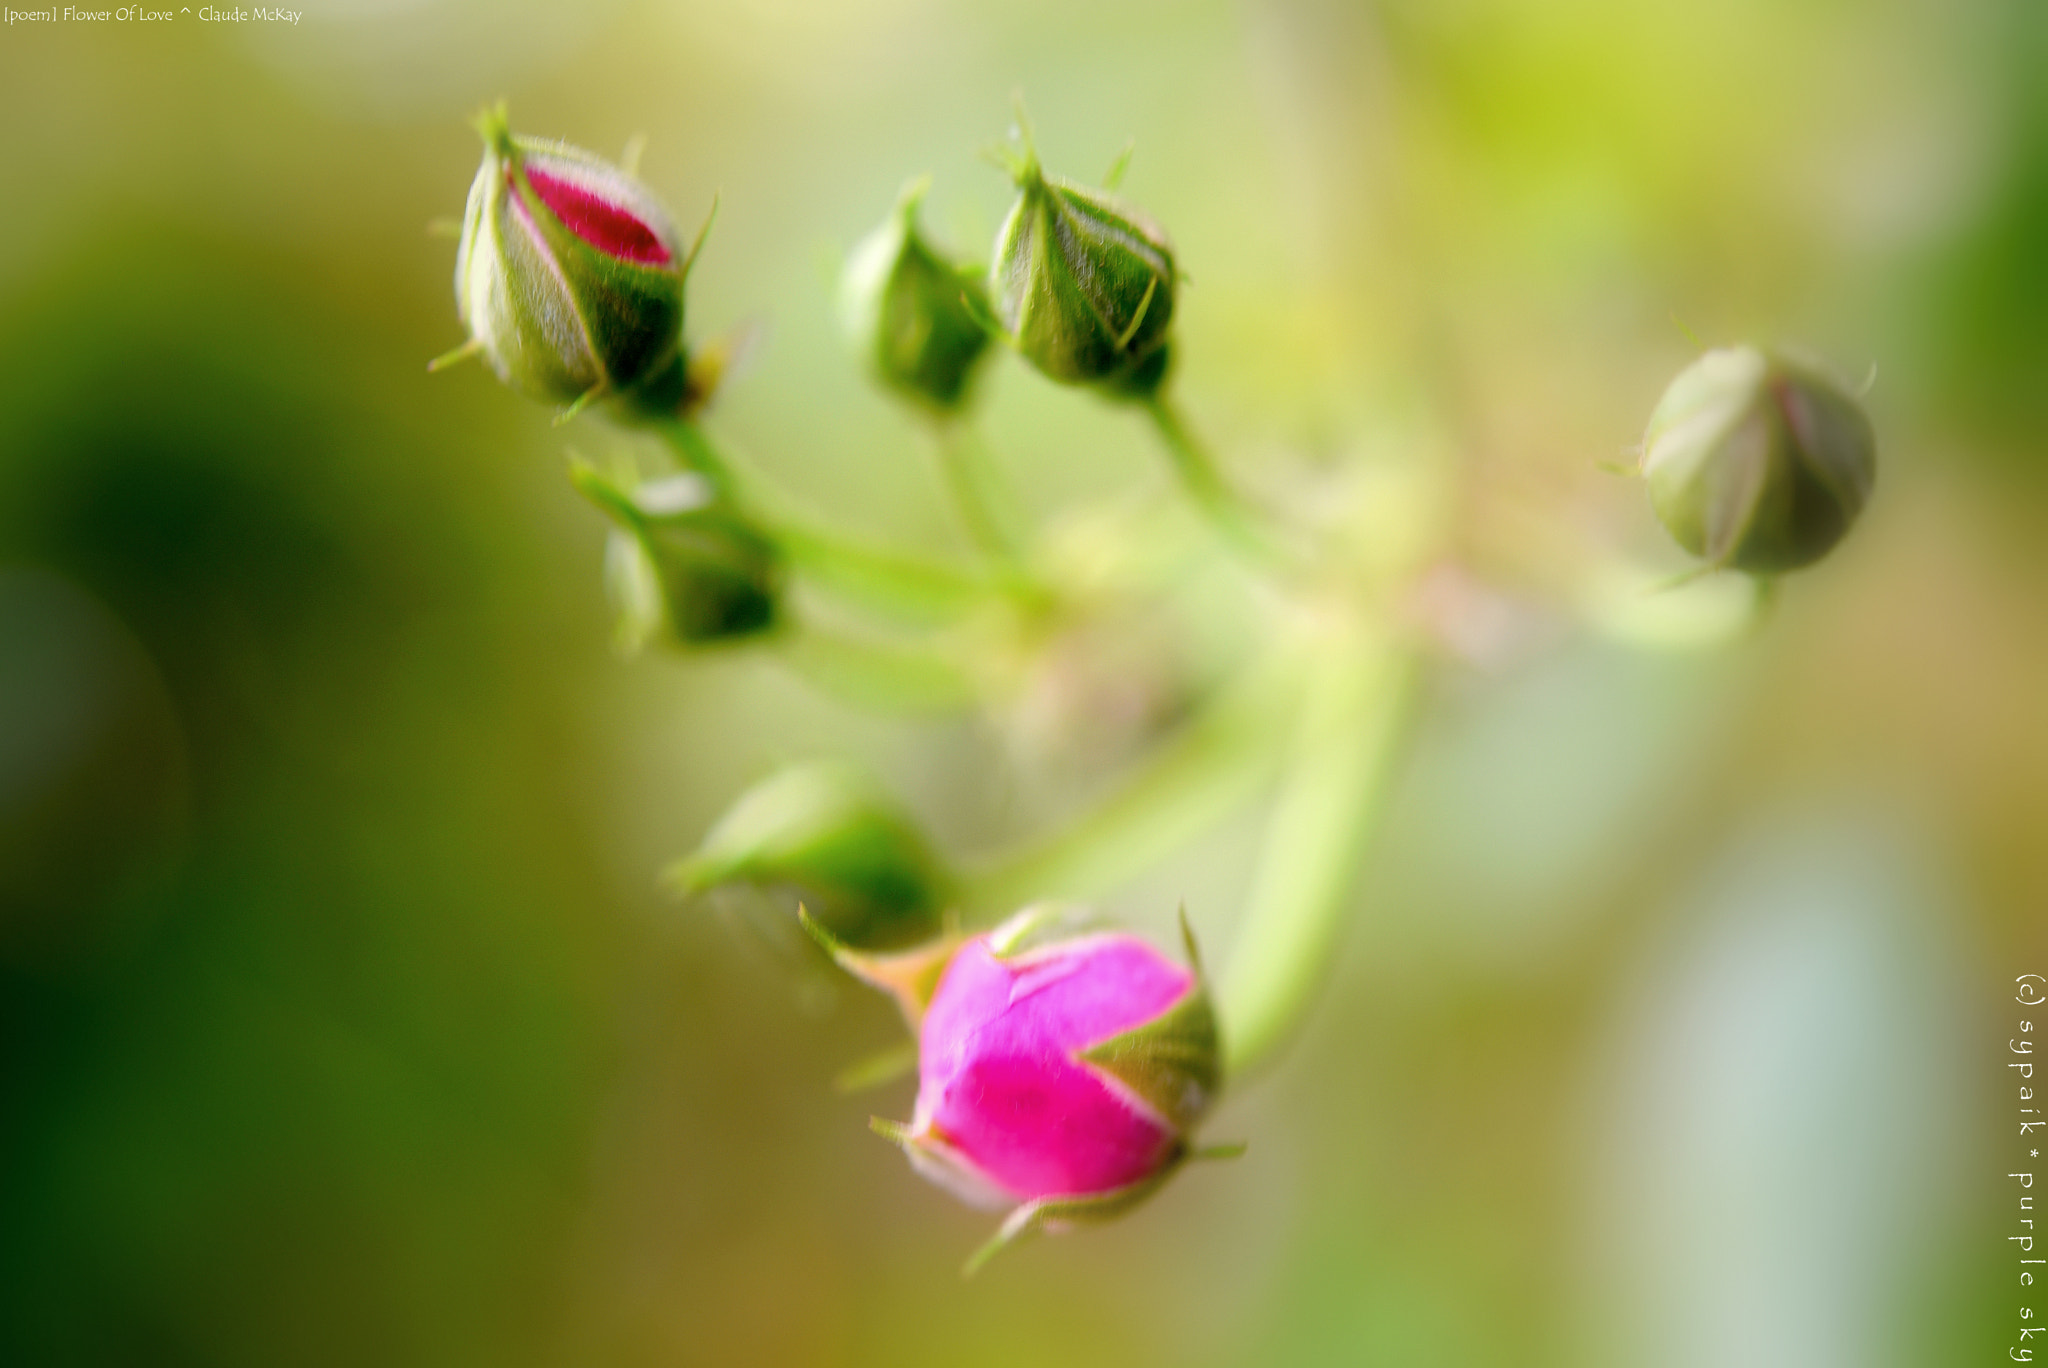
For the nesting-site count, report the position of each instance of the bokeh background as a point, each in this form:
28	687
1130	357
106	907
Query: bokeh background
343	1021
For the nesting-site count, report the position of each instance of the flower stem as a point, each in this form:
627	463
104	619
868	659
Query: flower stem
1351	718
876	578
885	676
971	482
1212	764
1227	511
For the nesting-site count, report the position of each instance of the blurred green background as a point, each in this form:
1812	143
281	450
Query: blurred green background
342	1020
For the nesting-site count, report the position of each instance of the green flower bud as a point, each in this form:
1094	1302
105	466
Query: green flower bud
857	862
686	557
1083	283
1758	462
915	315
569	276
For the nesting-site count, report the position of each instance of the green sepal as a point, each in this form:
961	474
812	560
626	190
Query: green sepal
1052	1215
720	578
909	976
855	858
1143	379
1174	1061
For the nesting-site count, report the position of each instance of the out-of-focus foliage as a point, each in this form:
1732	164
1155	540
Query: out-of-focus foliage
342	1018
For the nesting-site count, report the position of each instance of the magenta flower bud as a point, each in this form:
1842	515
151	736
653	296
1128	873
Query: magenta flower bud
1062	1078
570	275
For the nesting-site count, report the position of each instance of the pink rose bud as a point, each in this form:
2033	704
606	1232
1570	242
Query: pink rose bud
569	276
1062	1078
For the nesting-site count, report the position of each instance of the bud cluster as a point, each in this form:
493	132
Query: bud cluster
1062	1072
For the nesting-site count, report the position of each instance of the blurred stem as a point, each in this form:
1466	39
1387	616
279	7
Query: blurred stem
1352	714
1228	512
969	473
886	676
1186	785
875	578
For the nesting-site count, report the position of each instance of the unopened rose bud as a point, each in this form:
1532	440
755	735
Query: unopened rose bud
915	315
691	560
1757	461
569	276
1063	1079
1083	283
854	858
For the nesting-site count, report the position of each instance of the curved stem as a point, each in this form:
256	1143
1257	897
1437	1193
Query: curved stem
1227	511
877	578
694	449
1350	721
971	482
886	676
1184	786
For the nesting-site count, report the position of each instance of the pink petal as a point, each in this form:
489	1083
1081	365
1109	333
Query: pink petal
1045	1127
998	1074
599	222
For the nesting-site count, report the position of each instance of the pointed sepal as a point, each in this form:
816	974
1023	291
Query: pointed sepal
909	976
1173	1061
1053	1215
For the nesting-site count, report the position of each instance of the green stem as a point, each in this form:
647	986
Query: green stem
871	577
1350	720
886	676
694	449
1207	768
971	482
1227	511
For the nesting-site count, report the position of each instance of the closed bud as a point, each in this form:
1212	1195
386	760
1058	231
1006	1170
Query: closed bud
916	316
683	557
1083	283
569	275
1060	1077
1757	461
854	858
